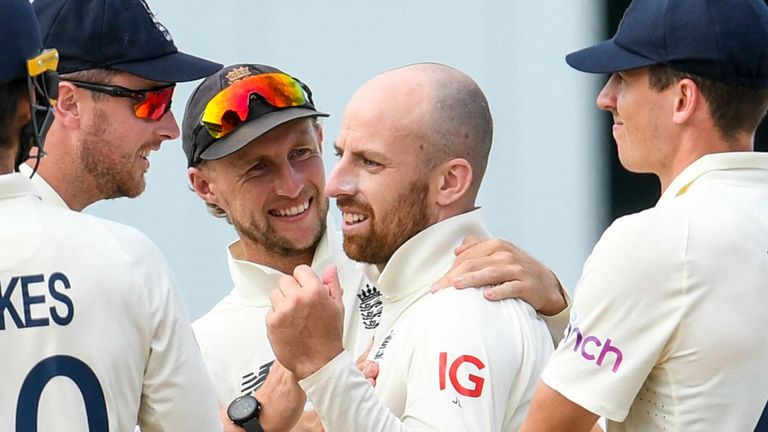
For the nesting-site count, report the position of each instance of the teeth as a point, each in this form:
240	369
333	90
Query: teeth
352	218
144	154
292	211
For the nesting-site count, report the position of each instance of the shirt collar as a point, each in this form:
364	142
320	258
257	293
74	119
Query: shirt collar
425	257
713	162
253	282
44	190
16	185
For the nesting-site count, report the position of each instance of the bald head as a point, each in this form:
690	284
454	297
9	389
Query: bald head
435	105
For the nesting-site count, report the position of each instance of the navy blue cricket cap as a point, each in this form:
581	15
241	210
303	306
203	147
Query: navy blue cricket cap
115	34
721	40
21	39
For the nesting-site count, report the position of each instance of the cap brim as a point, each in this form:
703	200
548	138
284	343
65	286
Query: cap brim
606	57
175	67
253	129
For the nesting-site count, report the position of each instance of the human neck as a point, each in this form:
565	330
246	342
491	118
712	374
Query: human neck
64	172
694	148
257	254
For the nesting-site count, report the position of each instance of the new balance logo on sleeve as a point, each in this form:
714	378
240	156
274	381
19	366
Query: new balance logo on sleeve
253	380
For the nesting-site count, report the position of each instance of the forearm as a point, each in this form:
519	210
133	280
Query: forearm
552	412
282	400
346	401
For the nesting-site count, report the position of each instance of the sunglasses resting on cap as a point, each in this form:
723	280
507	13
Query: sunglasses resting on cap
229	108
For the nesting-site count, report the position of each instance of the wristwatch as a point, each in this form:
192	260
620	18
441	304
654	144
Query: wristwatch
244	412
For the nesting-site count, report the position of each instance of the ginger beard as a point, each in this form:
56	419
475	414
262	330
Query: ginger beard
406	216
114	169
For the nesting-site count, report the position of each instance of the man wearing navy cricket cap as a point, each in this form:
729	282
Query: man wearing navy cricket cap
119	66
93	334
667	329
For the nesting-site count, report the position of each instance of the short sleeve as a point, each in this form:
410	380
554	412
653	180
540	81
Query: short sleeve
627	307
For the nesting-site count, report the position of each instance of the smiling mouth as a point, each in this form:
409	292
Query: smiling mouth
292	211
354	218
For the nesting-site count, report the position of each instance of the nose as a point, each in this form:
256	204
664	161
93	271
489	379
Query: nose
606	100
340	182
288	182
167	127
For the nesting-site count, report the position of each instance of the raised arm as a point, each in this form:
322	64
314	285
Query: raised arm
507	271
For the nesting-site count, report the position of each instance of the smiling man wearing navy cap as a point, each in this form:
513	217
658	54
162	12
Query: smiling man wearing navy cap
119	66
668	321
93	333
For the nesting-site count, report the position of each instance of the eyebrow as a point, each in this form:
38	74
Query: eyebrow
364	153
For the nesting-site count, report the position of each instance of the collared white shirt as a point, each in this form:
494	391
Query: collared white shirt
91	322
44	190
668	319
233	335
450	361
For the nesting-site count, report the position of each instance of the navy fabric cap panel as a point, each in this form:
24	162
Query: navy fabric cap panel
723	40
21	39
116	34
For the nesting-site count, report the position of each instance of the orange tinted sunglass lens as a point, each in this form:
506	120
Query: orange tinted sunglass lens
229	108
155	104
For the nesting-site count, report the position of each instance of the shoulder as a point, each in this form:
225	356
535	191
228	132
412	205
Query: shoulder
652	240
103	234
229	318
468	312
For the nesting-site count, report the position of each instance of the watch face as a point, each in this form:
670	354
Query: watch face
242	408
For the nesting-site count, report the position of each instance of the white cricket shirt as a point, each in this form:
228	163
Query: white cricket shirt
233	335
450	361
668	323
92	329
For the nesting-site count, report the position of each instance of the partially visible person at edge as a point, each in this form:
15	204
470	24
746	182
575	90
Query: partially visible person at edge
668	317
413	148
119	66
253	143
93	334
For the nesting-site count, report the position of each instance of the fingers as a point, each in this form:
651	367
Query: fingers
364	356
482	271
370	371
480	248
512	289
467	243
305	276
331	281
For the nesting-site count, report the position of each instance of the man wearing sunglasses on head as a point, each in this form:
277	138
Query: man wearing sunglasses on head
253	144
93	335
119	66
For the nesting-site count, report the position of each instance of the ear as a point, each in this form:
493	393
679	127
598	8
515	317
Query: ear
67	105
199	179
455	179
687	100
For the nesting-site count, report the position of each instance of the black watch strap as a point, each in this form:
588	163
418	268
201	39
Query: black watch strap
253	425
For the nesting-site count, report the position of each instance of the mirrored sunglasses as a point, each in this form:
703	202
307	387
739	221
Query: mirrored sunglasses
229	108
151	103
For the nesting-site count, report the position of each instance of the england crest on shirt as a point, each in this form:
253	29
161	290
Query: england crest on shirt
370	306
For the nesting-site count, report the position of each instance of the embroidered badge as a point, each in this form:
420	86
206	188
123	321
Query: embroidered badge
370	306
237	73
157	23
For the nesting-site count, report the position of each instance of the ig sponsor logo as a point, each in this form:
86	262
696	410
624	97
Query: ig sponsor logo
476	388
